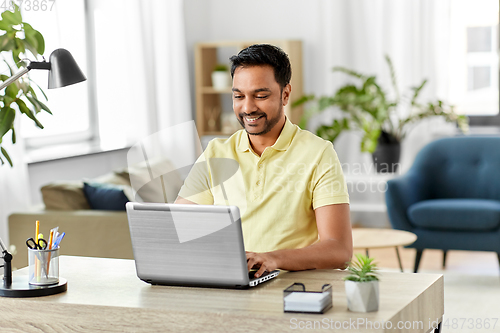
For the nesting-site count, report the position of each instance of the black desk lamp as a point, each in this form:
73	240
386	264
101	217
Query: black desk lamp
63	71
7	265
62	67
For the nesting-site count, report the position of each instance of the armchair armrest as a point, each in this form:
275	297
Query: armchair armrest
401	193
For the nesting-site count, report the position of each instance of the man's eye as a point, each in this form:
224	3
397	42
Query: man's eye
262	97
237	96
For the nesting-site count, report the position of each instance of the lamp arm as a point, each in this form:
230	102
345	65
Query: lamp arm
7	266
14	77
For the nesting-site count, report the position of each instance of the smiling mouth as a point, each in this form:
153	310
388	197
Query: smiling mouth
251	120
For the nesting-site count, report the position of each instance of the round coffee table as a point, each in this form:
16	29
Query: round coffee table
373	238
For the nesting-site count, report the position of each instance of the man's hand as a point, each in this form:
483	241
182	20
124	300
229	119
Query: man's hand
333	250
261	261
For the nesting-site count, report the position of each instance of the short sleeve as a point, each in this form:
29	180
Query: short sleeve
330	186
197	187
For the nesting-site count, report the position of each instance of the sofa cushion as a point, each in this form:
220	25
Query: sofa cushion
69	195
66	195
456	214
105	196
154	180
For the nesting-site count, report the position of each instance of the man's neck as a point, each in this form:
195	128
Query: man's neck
260	142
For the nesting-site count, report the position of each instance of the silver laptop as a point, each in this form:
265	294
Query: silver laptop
190	245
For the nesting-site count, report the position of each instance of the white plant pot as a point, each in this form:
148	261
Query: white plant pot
362	296
220	80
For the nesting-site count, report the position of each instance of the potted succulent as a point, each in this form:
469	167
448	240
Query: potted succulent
220	77
366	107
361	287
17	39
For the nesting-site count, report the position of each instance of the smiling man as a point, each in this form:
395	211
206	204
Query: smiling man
289	185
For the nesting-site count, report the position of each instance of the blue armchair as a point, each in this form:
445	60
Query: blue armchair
450	197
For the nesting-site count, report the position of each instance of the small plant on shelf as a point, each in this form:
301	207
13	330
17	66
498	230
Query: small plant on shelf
220	77
220	68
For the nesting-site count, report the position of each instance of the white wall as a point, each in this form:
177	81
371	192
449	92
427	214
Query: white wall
213	20
73	168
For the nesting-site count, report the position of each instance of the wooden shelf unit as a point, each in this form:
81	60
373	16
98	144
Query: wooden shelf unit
208	98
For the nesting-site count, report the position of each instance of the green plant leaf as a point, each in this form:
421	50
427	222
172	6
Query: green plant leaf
362	270
27	111
7	116
12	18
416	92
348	72
6	43
41	90
12	90
34	100
393	78
38	105
41	42
302	100
7	157
13	134
4	25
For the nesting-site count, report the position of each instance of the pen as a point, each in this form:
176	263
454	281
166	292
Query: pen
59	239
37	230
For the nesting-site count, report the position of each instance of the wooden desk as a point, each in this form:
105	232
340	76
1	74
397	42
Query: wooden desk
372	238
106	295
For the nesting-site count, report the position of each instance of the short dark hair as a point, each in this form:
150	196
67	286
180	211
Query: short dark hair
264	54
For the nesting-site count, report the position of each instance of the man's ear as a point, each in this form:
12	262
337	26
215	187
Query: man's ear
285	95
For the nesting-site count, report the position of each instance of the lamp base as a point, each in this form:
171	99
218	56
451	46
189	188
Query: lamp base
21	288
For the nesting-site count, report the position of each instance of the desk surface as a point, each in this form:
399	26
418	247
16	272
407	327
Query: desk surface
105	294
370	238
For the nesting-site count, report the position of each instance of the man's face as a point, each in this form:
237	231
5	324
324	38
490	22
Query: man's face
257	98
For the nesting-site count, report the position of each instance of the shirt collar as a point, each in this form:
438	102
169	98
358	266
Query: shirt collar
283	142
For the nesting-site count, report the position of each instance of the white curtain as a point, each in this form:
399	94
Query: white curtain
414	33
142	71
14	186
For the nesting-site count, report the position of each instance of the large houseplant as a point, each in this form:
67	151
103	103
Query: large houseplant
384	122
17	39
361	286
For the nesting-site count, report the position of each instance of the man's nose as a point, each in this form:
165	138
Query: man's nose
249	106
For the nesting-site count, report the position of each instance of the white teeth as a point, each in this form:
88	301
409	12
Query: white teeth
250	120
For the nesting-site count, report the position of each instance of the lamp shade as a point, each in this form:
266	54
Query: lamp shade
63	69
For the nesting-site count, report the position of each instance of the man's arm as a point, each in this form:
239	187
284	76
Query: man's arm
333	250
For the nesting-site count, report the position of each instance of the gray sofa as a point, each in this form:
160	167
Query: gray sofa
93	233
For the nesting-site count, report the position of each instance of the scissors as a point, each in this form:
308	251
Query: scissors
41	245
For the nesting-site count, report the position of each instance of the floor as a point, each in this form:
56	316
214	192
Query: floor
472	285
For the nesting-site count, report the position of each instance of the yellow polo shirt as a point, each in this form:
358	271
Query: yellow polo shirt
276	192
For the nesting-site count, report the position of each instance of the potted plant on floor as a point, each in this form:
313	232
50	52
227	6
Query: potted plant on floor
366	107
17	39
361	287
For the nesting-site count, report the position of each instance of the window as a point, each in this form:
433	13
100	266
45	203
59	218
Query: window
474	69
62	27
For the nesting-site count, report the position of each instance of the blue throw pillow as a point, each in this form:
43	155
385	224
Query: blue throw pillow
105	196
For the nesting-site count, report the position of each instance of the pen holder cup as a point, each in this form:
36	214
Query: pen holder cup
43	267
